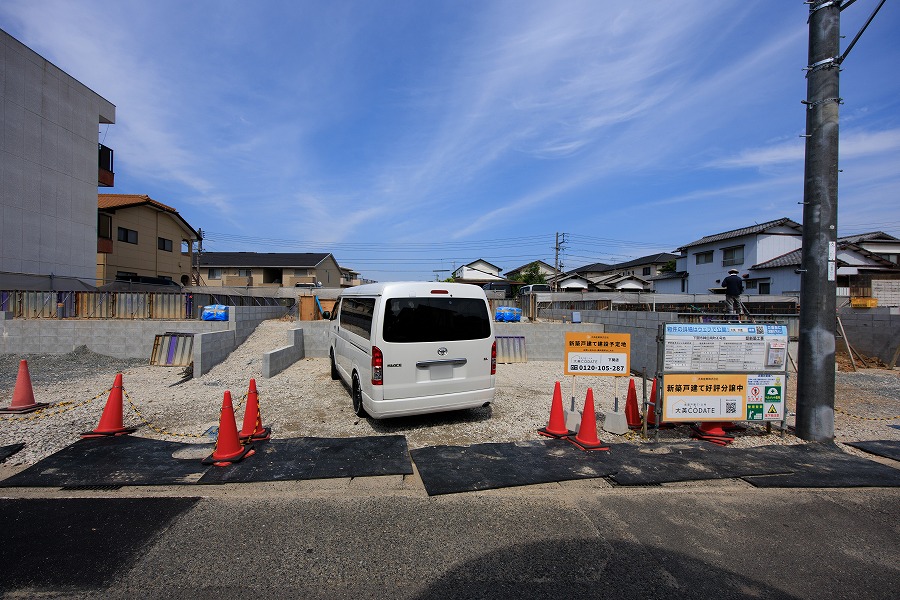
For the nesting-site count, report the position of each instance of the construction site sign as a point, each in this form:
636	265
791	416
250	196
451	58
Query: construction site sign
598	353
723	397
724	348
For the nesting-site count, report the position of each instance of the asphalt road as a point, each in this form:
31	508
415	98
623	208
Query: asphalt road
383	538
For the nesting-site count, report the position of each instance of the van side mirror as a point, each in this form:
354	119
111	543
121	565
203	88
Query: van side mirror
326	315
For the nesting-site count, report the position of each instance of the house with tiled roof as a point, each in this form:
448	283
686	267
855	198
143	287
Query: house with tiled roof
272	269
139	237
878	242
478	272
700	266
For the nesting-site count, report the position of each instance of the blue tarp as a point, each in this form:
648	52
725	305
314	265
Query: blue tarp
215	312
508	314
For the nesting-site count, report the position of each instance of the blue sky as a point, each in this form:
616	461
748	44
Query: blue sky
411	137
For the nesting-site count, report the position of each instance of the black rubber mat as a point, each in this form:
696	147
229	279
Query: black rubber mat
886	448
7	451
823	466
123	460
689	461
452	469
77	542
318	458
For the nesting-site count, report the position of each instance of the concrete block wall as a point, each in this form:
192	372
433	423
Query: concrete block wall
545	341
887	292
276	361
132	339
872	331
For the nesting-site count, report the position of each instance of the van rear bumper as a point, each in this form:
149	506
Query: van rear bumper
386	409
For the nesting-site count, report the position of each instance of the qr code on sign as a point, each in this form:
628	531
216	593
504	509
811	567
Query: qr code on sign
730	408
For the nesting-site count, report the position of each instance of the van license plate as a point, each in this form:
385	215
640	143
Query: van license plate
441	371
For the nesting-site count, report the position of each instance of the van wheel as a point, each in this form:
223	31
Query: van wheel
334	372
356	394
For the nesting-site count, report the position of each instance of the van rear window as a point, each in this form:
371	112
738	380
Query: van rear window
410	320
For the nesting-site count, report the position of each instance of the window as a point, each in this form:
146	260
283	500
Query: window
750	284
245	272
414	320
704	257
765	288
127	235
646	271
124	275
104	226
732	256
164	244
214	274
356	315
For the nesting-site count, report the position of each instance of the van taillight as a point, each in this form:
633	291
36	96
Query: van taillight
377	366
494	358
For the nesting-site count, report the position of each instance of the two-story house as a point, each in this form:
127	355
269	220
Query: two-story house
701	265
138	236
271	269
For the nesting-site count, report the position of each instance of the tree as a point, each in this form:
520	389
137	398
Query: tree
669	267
532	274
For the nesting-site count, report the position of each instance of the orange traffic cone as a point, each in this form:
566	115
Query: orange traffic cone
228	448
111	420
23	394
556	427
587	434
253	429
632	412
651	408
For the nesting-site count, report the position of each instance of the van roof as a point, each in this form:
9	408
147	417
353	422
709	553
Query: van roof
414	288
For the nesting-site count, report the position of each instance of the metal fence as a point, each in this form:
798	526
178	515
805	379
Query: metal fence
121	305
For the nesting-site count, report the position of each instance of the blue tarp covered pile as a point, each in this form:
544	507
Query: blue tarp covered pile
215	312
508	314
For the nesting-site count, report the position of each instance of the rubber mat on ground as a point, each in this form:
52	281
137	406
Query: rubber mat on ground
318	458
690	461
886	448
7	451
123	460
452	469
78	543
823	466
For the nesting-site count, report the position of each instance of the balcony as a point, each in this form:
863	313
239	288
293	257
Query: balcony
105	174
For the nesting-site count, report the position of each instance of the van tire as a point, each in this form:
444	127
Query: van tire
334	372
356	395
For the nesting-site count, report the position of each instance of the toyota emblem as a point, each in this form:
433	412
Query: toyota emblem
442	351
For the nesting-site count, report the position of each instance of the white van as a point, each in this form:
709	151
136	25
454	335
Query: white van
413	347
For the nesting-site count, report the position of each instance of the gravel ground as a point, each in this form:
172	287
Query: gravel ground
304	401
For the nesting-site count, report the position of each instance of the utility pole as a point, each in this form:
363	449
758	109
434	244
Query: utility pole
818	279
557	249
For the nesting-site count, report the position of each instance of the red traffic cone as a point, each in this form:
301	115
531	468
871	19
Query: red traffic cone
587	434
111	420
632	412
651	408
556	427
228	448
23	394
253	429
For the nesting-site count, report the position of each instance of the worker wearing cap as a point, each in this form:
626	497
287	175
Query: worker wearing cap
734	286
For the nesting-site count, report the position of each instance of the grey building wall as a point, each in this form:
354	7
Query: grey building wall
49	158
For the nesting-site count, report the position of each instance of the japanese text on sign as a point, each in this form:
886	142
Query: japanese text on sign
598	353
716	348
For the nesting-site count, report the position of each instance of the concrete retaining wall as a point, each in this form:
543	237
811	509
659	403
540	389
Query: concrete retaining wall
276	361
213	340
545	341
872	331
